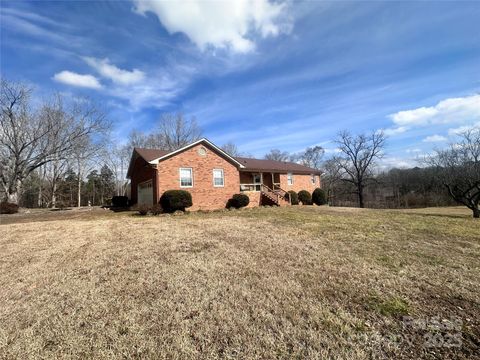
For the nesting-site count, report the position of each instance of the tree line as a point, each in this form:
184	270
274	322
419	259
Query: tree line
61	153
353	177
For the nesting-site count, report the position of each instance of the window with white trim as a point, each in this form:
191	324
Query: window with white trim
218	178
313	178
290	179
186	177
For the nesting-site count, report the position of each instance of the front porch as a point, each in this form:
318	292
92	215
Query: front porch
268	184
253	181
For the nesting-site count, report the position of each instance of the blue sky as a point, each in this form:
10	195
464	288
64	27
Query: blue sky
261	74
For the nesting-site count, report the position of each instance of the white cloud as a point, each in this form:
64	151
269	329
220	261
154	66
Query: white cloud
221	24
395	131
415	150
112	72
389	162
435	138
448	111
74	79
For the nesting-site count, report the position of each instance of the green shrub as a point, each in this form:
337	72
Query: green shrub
292	195
8	208
319	197
305	197
143	209
156	209
173	200
238	201
120	201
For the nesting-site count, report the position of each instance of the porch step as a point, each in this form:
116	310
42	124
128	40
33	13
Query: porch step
275	197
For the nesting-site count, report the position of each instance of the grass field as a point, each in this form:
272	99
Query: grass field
299	282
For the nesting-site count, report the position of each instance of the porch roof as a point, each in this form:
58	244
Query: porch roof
263	165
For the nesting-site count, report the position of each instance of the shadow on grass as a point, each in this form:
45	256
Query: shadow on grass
118	208
453	216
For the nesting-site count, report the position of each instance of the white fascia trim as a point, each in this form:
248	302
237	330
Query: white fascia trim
155	161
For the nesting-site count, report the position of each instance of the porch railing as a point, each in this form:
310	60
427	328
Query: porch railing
250	187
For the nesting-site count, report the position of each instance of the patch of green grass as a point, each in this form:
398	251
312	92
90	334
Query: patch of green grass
430	259
393	306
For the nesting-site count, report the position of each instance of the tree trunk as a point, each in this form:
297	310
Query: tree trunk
79	193
12	197
476	213
54	183
54	194
40	195
360	197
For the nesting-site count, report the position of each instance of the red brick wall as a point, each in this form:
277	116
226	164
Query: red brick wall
254	197
204	194
141	172
300	182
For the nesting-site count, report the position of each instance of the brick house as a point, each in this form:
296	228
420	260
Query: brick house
212	176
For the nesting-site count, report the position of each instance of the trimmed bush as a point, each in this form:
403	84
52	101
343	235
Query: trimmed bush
143	209
156	209
319	197
8	208
238	201
173	200
305	197
292	195
120	201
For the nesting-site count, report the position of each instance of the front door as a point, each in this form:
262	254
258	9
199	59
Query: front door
257	181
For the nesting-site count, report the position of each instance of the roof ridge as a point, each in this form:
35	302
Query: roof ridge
143	148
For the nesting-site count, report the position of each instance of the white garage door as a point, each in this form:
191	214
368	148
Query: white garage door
145	193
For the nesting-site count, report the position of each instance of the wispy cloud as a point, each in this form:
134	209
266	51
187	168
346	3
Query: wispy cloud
31	16
78	80
220	24
106	69
156	88
42	28
435	138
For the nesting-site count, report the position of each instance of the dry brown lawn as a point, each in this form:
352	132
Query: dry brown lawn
299	282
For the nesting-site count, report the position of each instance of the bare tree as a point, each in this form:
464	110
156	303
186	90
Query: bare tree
330	178
459	167
55	171
154	140
176	131
117	159
231	149
31	139
312	157
86	154
359	154
277	155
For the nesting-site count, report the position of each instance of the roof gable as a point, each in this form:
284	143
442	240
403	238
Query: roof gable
204	141
151	154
